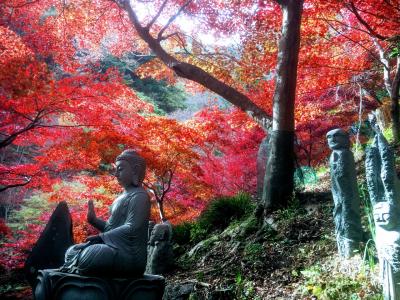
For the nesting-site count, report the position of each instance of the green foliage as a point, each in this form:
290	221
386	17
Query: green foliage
222	211
165	98
218	215
198	232
304	176
388	134
249	226
326	285
253	251
321	171
30	211
244	289
395	52
381	94
294	209
367	219
367	215
181	233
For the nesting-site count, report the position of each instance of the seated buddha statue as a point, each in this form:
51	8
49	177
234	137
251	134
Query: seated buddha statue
120	250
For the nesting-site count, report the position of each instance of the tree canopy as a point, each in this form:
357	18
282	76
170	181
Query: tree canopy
82	80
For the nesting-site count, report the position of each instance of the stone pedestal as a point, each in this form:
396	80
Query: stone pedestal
55	285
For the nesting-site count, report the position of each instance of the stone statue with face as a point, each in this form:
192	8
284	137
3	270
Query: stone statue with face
383	188
346	212
160	257
120	250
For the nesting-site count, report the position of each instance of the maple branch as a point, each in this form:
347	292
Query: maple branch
354	10
157	14
353	41
375	14
344	24
386	66
6	187
171	174
7	141
197	74
169	36
172	19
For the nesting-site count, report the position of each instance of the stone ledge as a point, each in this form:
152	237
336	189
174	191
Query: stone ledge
54	285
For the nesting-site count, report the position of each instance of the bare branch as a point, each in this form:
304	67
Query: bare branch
353	41
157	15
172	19
386	66
354	10
196	74
169	36
6	187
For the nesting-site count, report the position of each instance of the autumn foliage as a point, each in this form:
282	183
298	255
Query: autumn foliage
64	119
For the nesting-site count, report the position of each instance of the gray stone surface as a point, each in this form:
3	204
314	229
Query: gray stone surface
387	239
120	250
49	250
346	212
54	285
179	291
383	186
160	256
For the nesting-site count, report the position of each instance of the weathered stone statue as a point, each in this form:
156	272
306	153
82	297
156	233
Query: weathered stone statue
121	247
346	212
110	265
383	187
160	257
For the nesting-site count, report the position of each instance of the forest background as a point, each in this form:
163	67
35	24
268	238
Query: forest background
81	81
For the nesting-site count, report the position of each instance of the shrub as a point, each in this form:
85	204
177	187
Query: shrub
181	233
223	210
217	216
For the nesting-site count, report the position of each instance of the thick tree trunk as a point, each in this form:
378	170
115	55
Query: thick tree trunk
394	113
278	182
394	108
278	188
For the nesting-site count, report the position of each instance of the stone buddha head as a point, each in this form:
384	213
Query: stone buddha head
338	139
385	215
130	169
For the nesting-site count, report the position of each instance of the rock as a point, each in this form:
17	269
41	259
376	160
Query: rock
50	248
179	292
222	294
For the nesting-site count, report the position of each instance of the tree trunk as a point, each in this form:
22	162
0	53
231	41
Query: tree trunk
394	108
160	205
278	187
394	113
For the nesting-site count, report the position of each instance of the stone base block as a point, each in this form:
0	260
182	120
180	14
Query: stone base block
55	285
